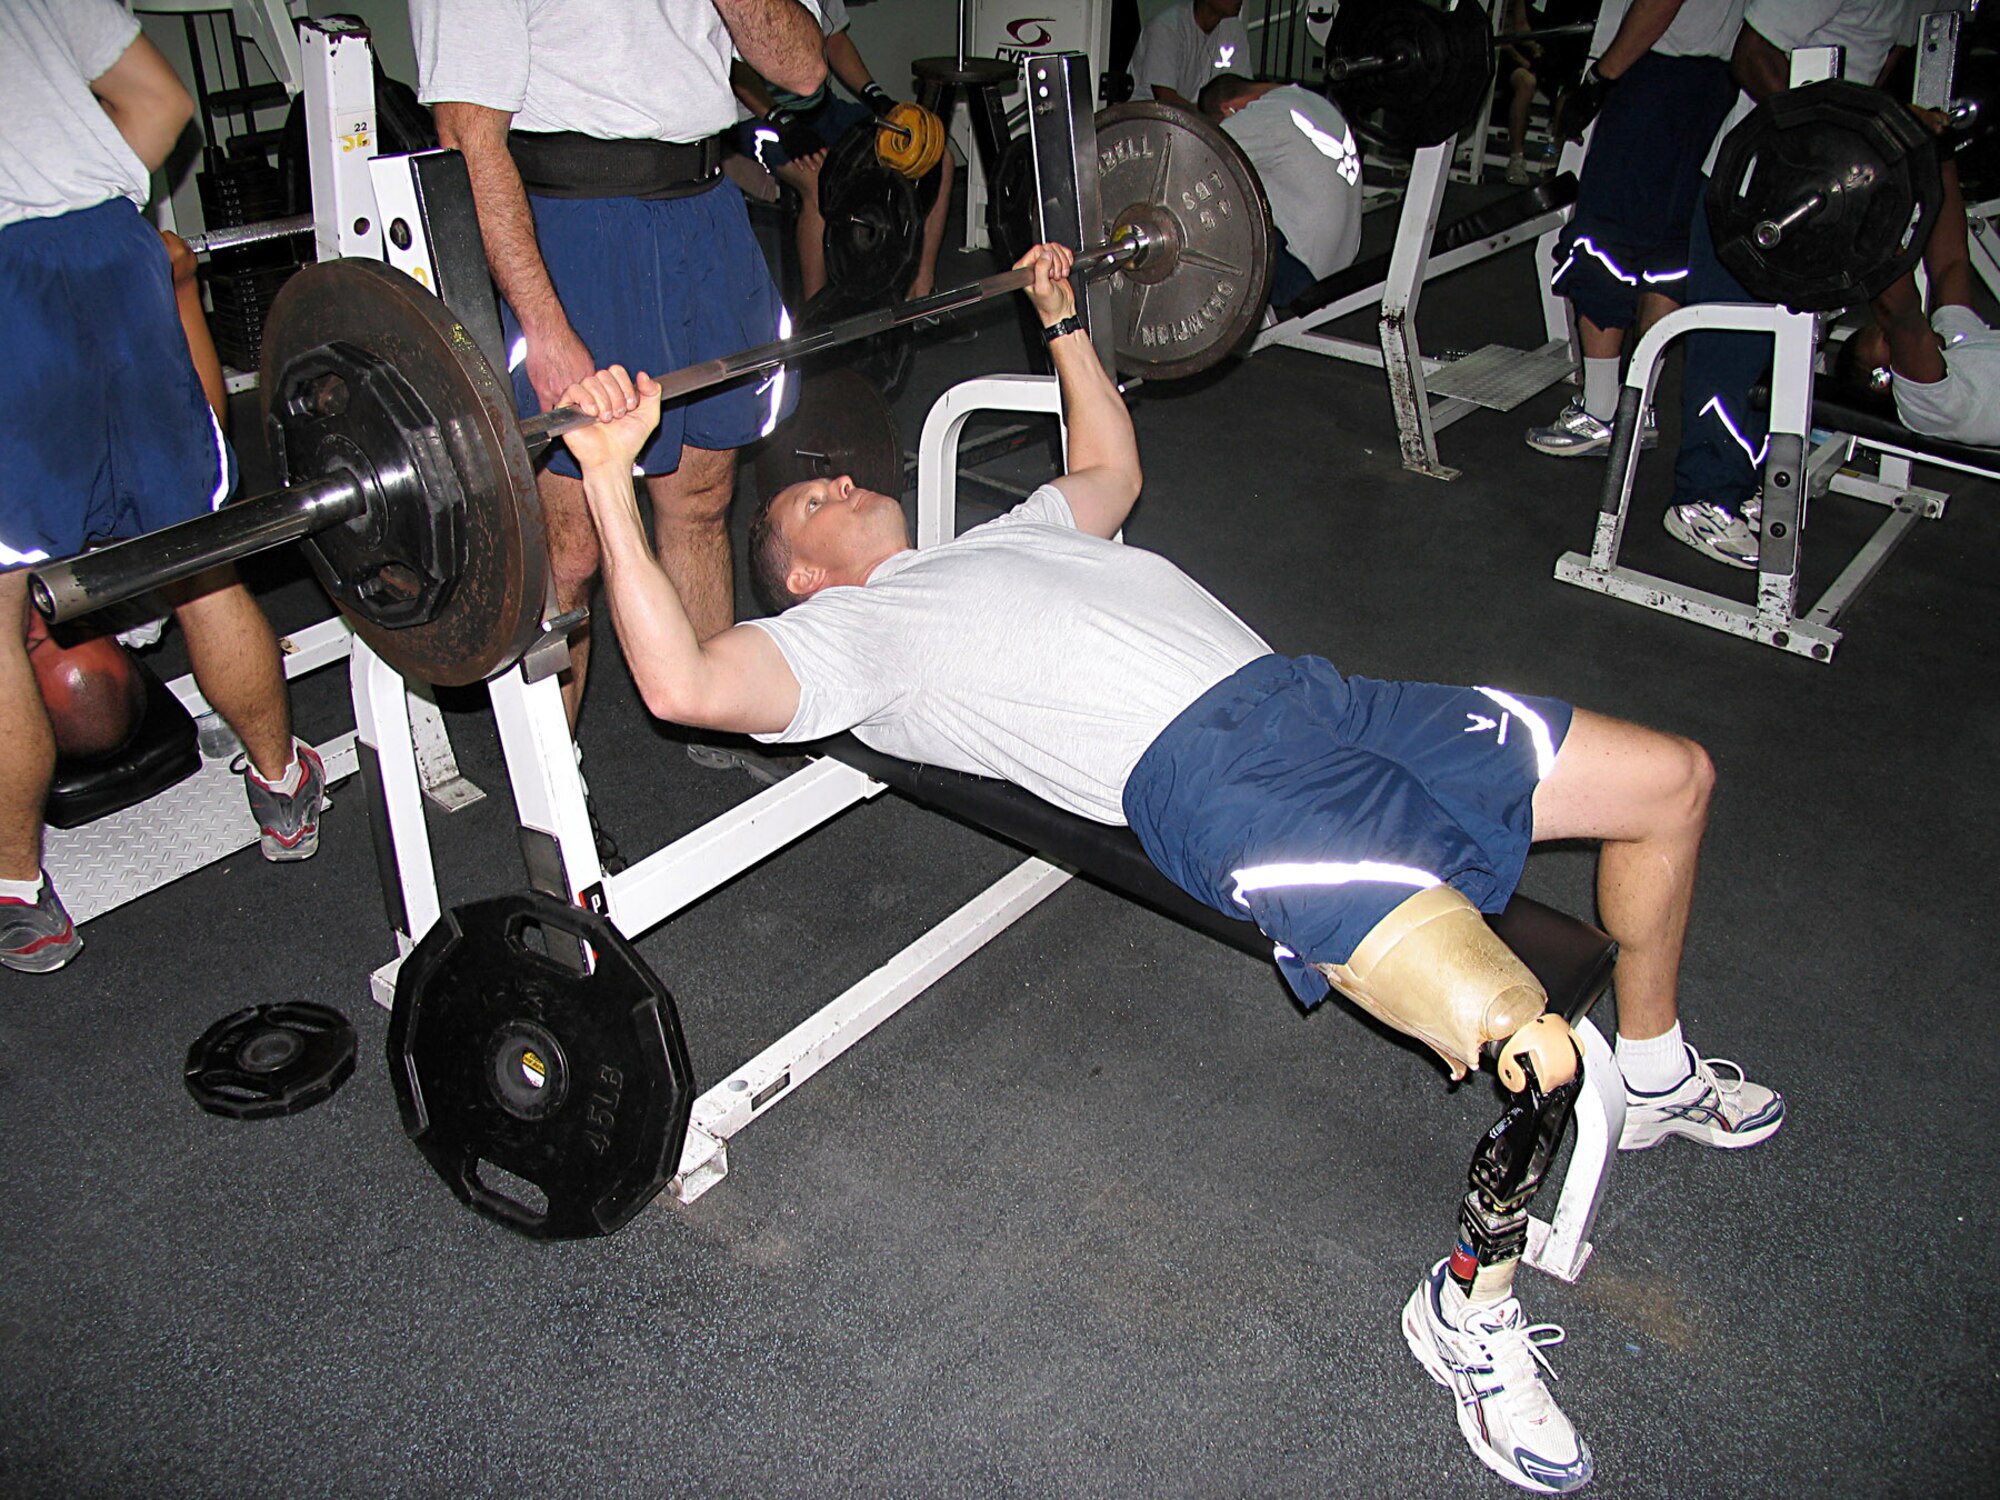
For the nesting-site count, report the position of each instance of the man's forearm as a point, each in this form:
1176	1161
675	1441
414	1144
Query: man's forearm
845	59
506	223
659	642
1758	67
779	38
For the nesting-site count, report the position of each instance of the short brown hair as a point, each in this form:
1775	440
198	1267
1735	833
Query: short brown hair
771	559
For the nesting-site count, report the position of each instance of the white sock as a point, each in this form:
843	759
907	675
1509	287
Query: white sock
1654	1065
293	778
27	892
1600	387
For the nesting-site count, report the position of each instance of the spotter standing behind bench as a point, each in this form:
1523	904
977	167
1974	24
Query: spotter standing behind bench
1102	678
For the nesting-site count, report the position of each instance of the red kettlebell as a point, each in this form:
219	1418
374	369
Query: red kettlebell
94	693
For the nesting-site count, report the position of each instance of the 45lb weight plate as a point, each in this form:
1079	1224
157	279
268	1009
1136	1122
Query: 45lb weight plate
550	1098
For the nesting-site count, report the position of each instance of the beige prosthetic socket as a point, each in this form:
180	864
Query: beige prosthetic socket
1433	969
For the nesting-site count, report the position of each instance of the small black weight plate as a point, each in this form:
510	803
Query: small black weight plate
505	1054
874	229
842	426
270	1060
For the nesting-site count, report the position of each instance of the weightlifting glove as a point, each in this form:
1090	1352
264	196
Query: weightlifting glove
876	98
795	137
1584	101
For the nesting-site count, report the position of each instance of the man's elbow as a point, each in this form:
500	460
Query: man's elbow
806	78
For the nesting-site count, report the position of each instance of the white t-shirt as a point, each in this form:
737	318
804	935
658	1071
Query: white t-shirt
1964	407
1024	649
629	70
1865	30
1310	166
59	150
1175	52
1700	28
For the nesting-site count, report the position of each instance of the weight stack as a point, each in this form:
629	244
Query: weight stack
242	282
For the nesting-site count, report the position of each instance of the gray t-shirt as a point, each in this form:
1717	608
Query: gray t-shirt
1866	30
631	70
1024	649
59	150
1700	28
1174	51
1964	407
1310	166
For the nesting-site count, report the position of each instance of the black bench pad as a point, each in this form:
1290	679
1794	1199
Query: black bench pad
1571	958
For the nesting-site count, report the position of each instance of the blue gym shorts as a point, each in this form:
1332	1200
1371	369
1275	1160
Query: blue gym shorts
1638	189
830	121
1316	804
105	431
657	285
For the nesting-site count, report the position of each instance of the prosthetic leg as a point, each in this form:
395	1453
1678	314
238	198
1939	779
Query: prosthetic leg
1433	969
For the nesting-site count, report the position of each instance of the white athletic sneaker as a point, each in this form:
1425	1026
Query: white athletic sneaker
1729	1112
1715	531
1517	171
1575	433
1488	1358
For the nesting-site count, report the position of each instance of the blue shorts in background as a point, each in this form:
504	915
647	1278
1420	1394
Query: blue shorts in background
105	431
1316	804
657	285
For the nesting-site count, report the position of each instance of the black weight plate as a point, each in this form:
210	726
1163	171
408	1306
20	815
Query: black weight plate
1010	209
1871	163
1202	285
842	426
270	1060
1439	84
882	359
874	231
495	607
505	1054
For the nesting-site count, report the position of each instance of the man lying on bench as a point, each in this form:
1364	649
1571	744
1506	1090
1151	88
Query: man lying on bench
1363	825
1945	369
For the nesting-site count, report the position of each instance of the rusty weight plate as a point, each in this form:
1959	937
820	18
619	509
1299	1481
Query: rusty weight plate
1202	286
494	611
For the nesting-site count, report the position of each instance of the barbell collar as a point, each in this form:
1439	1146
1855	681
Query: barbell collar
1771	232
1340	69
95	580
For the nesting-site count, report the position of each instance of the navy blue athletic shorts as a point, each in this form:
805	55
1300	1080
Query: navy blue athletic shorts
1639	186
830	121
105	431
1316	804
657	285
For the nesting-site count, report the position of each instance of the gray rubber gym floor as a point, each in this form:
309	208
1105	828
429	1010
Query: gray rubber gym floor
1104	1213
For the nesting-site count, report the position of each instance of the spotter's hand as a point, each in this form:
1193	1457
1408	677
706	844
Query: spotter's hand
627	410
1050	292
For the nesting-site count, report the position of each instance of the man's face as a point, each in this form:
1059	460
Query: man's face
837	526
1226	9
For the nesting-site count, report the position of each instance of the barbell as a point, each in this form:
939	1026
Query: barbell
409	478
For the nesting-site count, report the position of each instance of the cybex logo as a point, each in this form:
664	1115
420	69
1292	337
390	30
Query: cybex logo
1031	31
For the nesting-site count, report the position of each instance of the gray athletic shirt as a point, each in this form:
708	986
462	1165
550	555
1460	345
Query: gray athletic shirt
59	151
1310	166
630	70
1025	650
1174	51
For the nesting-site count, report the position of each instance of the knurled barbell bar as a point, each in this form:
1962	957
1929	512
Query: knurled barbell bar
409	477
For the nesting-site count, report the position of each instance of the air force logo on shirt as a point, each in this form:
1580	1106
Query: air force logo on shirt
1224	56
1341	148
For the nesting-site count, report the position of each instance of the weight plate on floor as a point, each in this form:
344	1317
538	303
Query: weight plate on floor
1201	286
842	426
270	1060
493	609
549	1097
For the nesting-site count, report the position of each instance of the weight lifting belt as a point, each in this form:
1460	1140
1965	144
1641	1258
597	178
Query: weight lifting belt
566	164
